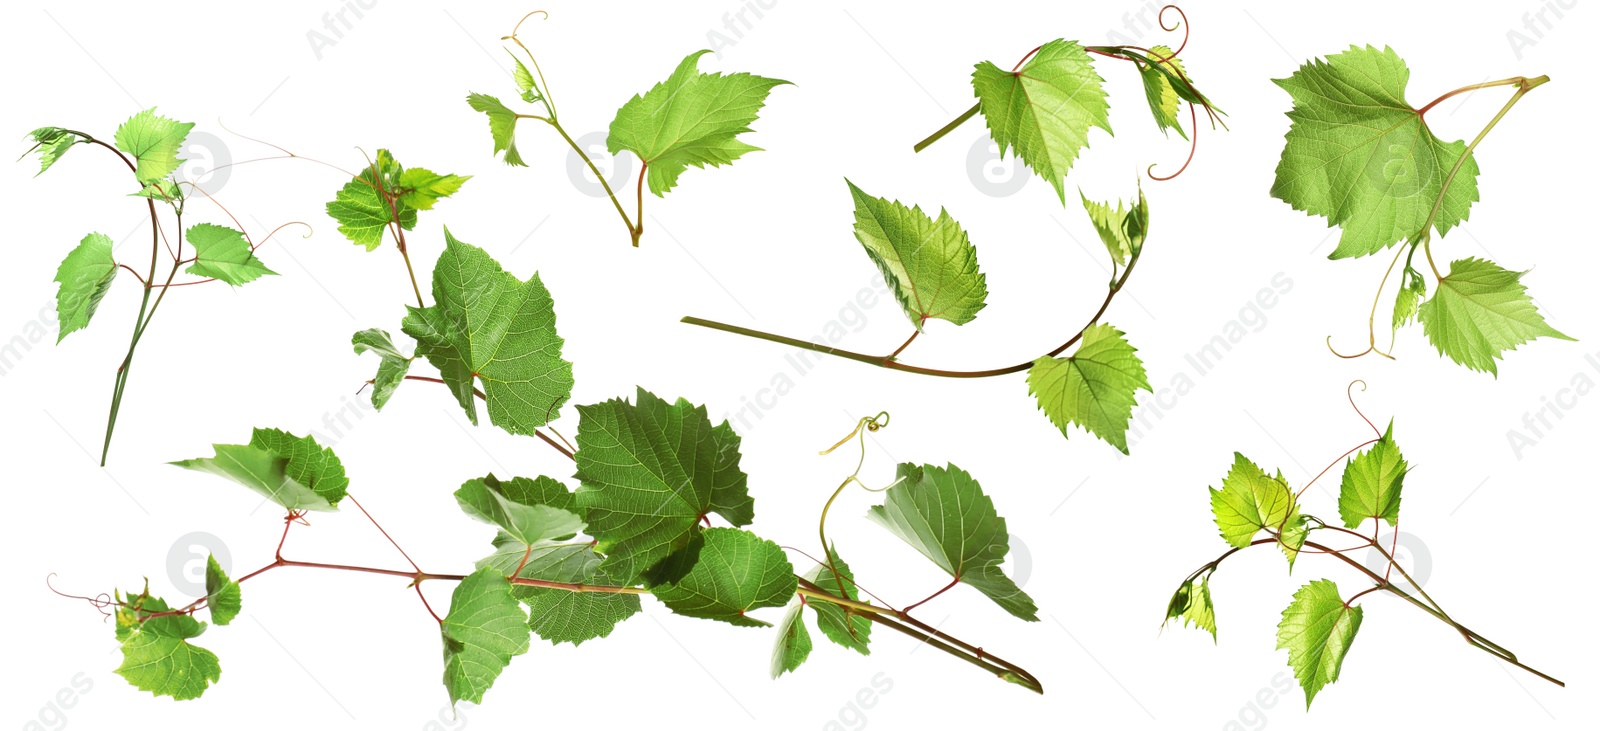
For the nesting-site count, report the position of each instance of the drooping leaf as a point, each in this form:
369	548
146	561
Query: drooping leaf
524	80
1122	230
392	366
929	263
487	325
515	506
1359	155
483	631
51	143
366	205
85	277
294	472
162	190
420	188
154	141
1317	629
559	615
850	630
943	513
649	472
1293	537
1094	387
1044	109
1409	299
1249	501
502	126
738	571
223	253
222	593
1159	90
692	118
1372	482
1191	605
157	656
794	641
1479	312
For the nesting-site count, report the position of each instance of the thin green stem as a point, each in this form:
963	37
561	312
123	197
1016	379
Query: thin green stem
634	230
947	129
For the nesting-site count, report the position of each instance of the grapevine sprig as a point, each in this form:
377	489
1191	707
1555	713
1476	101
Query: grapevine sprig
1359	155
692	118
1044	107
1319	625
148	144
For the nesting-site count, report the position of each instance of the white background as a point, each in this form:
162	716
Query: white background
767	243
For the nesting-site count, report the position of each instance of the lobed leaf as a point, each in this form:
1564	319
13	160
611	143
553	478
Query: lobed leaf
1160	91
294	472
1317	629
1479	312
517	506
502	126
223	253
794	641
1094	387
1371	484
483	631
222	593
737	571
363	207
1121	230
930	264
559	615
1044	109
157	656
1250	501
1191	605
85	276
51	143
392	365
849	630
154	141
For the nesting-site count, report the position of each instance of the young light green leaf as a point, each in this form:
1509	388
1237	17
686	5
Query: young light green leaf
649	472
559	615
943	513
85	277
157	656
738	571
154	141
162	190
1249	501
1409	299
502	126
929	263
850	630
1044	109
514	506
1094	388
692	118
1372	481
309	463
223	253
483	631
1358	154
1317	629
794	641
222	593
524	80
1480	311
420	188
51	143
1160	91
1121	230
392	366
1293	536
368	203
489	326
1191	605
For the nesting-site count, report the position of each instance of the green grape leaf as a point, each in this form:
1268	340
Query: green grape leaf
392	366
1191	605
488	325
1121	230
1160	90
483	631
502	126
222	593
1295	530
1372	482
929	263
154	141
850	630
514	506
51	143
524	80
649	472
738	571
1044	109
420	188
1359	155
85	277
1479	312
1409	299
1094	388
157	656
363	212
294	472
1249	501
161	190
692	118
794	641
223	253
943	513
1317	629
559	615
